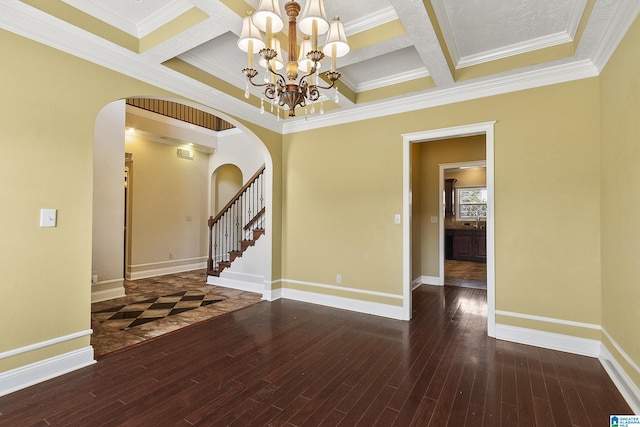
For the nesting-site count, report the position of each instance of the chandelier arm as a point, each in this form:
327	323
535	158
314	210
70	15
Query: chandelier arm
313	93
250	73
258	84
270	92
333	83
333	77
281	79
311	73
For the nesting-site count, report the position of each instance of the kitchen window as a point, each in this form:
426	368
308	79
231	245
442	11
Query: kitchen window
471	203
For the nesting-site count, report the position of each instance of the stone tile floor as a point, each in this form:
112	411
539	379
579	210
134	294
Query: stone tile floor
466	274
110	335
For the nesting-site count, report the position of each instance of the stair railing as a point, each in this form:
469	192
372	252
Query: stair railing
236	222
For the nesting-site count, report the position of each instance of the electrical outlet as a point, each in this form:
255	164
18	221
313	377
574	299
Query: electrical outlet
170	255
338	278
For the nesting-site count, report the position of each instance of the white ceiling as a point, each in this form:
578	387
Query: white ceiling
497	28
470	33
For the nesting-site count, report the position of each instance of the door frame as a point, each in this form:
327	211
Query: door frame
487	129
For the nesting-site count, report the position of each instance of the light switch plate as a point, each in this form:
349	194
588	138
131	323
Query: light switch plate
48	217
397	218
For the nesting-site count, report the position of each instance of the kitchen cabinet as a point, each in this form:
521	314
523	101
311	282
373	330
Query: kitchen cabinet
480	240
466	245
449	198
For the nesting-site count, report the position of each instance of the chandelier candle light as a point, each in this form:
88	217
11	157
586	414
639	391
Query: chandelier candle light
289	92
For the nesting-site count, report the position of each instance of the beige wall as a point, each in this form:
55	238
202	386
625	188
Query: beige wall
50	121
342	186
473	177
425	239
169	197
620	152
49	128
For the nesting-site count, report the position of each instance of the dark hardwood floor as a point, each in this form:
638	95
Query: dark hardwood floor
467	274
296	364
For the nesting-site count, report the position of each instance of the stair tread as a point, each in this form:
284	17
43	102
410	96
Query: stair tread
244	245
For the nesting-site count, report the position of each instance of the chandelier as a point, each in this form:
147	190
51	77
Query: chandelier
288	90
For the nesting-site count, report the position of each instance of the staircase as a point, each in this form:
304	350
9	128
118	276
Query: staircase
238	225
233	255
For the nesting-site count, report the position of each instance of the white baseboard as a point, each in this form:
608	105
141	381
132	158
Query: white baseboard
623	382
618	375
586	347
241	285
229	274
107	294
272	295
431	280
44	370
154	269
550	340
384	310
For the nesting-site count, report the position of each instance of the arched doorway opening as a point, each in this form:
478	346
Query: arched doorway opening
175	182
225	183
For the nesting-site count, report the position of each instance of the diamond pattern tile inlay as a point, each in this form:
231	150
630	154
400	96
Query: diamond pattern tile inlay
138	313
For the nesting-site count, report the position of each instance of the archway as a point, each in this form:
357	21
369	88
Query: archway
110	142
238	147
225	183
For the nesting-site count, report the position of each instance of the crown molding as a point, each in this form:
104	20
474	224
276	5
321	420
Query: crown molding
447	31
105	16
236	79
395	79
536	78
375	19
575	17
166	14
514	49
620	23
162	17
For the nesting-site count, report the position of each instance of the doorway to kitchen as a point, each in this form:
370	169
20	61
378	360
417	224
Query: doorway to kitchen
411	143
463	221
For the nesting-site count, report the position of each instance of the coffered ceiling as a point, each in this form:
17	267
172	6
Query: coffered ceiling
405	54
